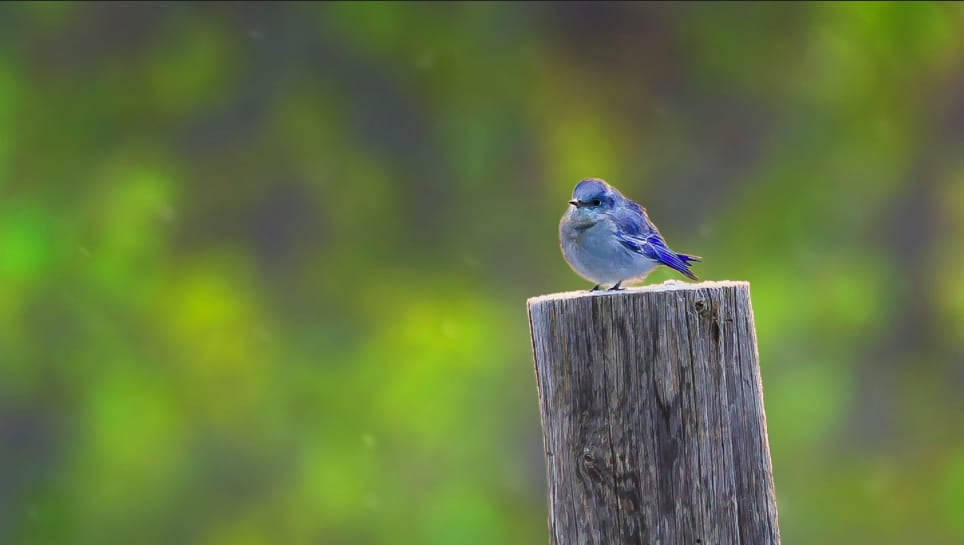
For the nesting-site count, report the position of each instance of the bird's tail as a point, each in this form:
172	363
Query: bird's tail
690	258
687	259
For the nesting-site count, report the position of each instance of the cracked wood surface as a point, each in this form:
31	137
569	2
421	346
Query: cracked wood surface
652	416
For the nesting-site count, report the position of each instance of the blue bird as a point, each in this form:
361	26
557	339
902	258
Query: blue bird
608	239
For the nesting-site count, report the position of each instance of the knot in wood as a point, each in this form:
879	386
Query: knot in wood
588	459
596	466
703	307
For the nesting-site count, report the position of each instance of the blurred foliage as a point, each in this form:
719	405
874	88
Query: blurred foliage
263	267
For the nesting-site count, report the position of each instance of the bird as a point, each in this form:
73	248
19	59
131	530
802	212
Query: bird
608	239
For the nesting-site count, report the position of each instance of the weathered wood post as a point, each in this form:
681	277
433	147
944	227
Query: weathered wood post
652	416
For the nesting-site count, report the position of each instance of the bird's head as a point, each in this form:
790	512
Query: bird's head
593	196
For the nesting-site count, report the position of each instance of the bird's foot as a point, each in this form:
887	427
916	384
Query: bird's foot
616	287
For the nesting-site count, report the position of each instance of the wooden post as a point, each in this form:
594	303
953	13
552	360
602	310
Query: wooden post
652	416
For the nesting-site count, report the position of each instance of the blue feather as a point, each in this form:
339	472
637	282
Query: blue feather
653	247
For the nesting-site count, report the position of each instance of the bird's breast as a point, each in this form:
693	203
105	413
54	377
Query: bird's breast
571	228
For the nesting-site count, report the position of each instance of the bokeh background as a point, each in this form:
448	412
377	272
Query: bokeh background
263	267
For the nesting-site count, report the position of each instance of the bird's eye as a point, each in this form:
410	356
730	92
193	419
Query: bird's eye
595	202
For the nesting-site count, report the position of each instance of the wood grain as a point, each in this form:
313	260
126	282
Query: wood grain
652	415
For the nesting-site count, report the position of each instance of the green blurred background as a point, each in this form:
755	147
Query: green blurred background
263	267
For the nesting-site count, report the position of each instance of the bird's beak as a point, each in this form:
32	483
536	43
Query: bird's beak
574	203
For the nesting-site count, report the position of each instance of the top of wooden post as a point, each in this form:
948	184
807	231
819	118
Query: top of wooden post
652	413
667	286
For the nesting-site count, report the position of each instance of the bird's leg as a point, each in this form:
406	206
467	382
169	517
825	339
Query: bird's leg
594	288
616	287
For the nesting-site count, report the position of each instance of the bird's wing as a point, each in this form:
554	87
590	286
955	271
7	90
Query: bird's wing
638	235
